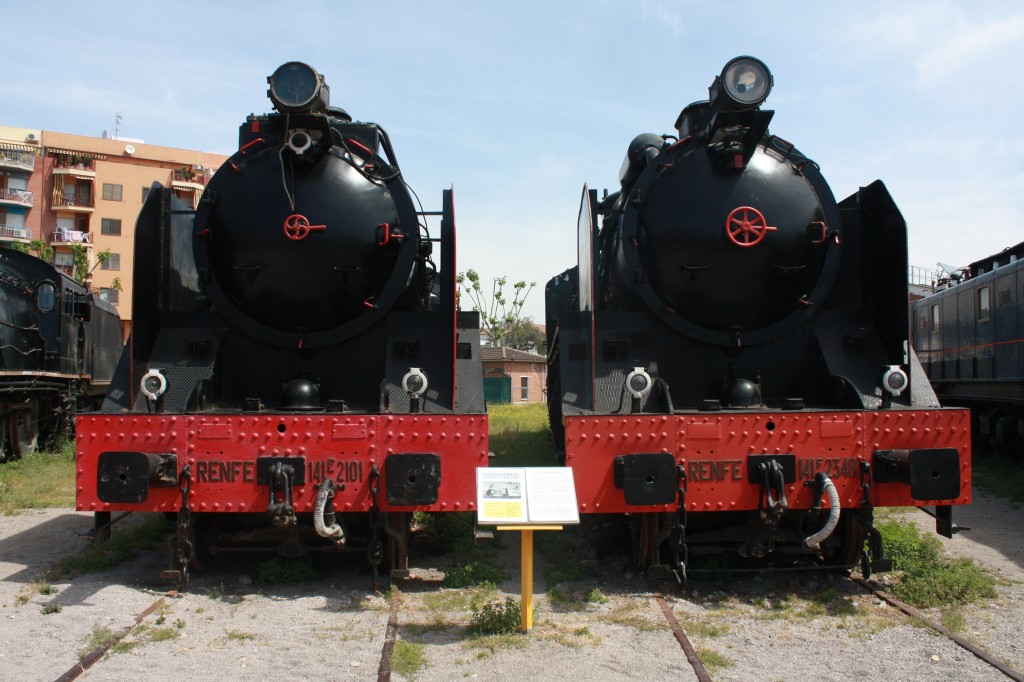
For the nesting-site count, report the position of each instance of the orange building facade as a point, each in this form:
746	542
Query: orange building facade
81	196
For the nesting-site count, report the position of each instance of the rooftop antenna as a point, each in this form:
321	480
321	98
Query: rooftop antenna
117	125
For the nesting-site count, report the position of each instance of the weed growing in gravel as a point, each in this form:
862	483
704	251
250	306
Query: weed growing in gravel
100	636
407	659
634	615
712	660
576	597
460	600
495	618
52	607
283	571
239	636
705	626
927	579
491	644
574	638
124	544
953	618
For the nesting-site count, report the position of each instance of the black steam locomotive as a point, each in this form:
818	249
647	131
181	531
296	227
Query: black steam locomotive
59	345
728	363
297	353
968	335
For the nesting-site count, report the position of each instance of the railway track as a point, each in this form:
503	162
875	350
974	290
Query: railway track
985	656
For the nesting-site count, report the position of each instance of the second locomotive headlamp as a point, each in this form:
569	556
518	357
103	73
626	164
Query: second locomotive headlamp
297	88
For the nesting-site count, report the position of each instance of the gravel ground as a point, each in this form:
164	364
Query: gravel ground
776	628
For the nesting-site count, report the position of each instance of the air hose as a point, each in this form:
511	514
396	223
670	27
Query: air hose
323	518
824	483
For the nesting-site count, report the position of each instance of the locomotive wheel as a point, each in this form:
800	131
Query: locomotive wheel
852	532
644	536
23	427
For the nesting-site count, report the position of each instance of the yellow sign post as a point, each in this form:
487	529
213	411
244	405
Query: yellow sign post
526	499
526	579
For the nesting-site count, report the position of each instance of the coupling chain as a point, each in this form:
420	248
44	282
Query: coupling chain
374	547
185	548
681	550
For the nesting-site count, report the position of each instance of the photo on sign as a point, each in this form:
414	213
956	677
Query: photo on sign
509	489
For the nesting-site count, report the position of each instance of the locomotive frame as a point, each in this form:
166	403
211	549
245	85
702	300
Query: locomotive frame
299	376
777	433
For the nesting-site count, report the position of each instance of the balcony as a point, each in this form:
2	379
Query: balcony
188	180
16	197
11	233
73	204
13	159
78	166
65	237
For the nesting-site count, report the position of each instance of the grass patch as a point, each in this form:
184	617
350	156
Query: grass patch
101	636
458	600
52	607
124	545
408	658
1000	476
519	435
576	597
239	636
712	660
633	615
476	573
928	580
284	571
40	480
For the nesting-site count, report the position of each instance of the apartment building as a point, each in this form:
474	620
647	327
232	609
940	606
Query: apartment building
81	195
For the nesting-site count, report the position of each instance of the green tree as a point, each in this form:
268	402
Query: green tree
40	248
498	316
527	336
80	257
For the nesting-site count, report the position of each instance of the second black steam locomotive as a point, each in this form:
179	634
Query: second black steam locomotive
298	365
729	361
59	345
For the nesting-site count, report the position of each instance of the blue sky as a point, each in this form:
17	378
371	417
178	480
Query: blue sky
517	104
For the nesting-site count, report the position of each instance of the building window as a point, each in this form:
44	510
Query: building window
111	295
111	192
524	388
145	193
110	226
984	305
111	263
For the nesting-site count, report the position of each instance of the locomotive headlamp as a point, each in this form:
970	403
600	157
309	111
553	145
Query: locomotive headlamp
415	382
297	88
894	380
744	84
639	382
153	384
